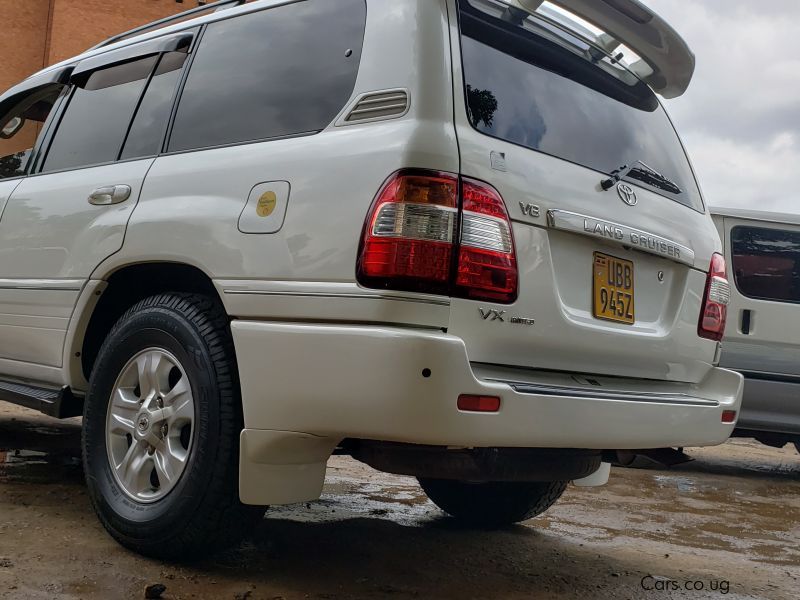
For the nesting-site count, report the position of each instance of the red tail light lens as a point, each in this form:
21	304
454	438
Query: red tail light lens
487	264
410	239
715	301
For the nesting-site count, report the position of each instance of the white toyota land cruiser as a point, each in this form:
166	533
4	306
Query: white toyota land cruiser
455	239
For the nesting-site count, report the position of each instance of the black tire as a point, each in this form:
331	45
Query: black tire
493	504
202	513
797	447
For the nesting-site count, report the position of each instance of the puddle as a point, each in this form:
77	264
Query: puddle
31	466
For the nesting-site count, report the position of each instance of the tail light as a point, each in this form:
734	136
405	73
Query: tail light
437	233
487	264
715	301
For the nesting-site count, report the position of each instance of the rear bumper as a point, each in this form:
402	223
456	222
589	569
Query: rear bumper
333	382
771	403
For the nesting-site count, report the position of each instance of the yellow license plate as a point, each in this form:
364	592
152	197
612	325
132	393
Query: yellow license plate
613	289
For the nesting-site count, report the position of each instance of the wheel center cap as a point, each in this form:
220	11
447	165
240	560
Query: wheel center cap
144	423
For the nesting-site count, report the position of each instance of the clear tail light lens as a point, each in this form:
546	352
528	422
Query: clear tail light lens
714	313
412	240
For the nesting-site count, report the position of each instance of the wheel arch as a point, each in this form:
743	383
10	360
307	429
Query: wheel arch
107	299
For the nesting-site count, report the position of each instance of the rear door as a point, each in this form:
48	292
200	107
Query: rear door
71	213
763	334
611	280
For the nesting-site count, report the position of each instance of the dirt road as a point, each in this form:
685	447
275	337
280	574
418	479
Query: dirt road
726	525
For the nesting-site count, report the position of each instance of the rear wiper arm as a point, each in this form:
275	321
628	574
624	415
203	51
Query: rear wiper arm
643	172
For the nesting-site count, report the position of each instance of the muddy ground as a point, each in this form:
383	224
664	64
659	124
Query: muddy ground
725	525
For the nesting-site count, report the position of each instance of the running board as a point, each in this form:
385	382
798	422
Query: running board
58	403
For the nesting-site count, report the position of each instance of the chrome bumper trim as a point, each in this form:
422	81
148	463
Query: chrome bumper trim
606	394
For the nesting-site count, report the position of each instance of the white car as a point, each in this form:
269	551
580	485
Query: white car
455	239
763	342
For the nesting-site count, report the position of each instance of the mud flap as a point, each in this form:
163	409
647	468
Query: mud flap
596	479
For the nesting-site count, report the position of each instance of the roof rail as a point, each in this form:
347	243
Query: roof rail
215	6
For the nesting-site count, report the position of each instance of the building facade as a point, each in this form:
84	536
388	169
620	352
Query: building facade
37	33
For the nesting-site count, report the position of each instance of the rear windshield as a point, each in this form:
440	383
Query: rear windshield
531	84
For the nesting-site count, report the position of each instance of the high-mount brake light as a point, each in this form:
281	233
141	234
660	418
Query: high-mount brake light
714	312
412	240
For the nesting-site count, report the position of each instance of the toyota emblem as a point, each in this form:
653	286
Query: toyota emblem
626	194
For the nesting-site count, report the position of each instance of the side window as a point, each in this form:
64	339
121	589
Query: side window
280	72
766	263
21	127
96	120
150	123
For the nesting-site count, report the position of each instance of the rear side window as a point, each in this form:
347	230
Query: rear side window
280	72
766	263
150	124
96	120
561	99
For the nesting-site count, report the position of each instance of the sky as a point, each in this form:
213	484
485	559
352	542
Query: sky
740	118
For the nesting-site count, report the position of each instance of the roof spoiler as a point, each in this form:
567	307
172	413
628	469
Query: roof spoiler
667	63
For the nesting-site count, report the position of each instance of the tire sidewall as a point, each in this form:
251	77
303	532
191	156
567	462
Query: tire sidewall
155	327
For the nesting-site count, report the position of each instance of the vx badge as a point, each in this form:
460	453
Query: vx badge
492	315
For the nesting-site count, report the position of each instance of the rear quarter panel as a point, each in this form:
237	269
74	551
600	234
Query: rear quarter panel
192	201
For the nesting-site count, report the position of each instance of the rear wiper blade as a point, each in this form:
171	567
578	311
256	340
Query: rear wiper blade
642	172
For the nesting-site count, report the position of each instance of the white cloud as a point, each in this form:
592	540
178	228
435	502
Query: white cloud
733	174
740	119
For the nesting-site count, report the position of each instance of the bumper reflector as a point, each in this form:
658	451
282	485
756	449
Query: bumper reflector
729	416
470	403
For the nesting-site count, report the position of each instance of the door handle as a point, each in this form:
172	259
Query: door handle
747	321
112	194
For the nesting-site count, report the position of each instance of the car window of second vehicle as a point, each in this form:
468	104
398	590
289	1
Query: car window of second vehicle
766	263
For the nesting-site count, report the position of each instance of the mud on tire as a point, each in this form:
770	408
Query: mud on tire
200	512
493	504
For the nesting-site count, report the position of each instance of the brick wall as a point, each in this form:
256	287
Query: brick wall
23	39
37	33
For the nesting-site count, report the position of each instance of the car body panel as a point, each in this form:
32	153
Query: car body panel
556	267
767	351
51	240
